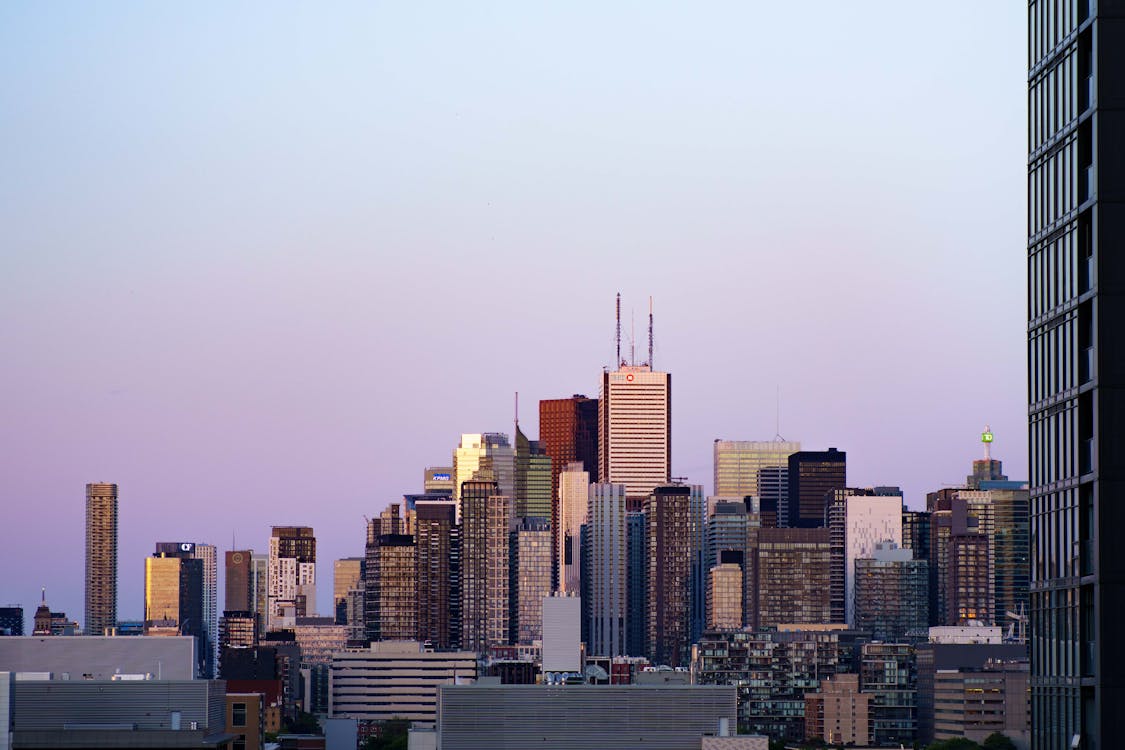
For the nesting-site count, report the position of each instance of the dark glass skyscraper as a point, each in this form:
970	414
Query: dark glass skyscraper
812	475
1076	370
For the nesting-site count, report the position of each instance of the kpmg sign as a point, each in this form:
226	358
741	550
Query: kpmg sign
441	477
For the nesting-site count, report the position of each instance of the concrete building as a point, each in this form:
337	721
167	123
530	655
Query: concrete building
789	576
974	702
652	717
888	673
49	714
892	593
635	431
838	713
724	593
100	657
394	679
668	620
562	634
437	543
292	575
101	558
246	720
239	579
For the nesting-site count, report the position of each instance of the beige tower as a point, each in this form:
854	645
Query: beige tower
635	431
101	558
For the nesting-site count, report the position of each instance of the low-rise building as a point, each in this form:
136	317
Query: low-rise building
246	720
839	713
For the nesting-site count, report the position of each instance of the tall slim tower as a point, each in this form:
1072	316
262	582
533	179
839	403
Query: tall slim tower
101	558
292	575
1076	371
608	571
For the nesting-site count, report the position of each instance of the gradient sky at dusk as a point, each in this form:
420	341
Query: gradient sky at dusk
261	265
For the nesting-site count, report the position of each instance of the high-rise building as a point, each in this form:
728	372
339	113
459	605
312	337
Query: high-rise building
101	558
635	430
237	629
812	476
1075	372
608	570
568	433
485	519
390	576
570	514
259	585
738	464
485	456
839	713
174	598
858	519
529	571
969	594
437	543
724	594
210	557
889	674
11	621
636	583
292	575
916	533
892	593
790	571
347	574
239	581
670	556
533	479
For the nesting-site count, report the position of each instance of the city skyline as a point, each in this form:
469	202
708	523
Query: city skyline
251	349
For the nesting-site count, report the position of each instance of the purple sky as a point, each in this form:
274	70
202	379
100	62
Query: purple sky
263	265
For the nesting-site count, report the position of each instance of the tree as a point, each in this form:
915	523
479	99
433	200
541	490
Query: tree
997	741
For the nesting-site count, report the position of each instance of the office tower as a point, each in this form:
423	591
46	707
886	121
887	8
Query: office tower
438	480
437	557
892	593
239	581
259	585
529	579
101	558
202	627
608	570
488	457
347	574
11	621
1001	510
969	595
174	598
726	530
986	469
791	574
724	594
812	476
670	557
1075	372
739	463
292	575
570	514
533	479
916	533
390	579
697	581
568	433
210	557
858	519
485	518
636	583
635	430
773	495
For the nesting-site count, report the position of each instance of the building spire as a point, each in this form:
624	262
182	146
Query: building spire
651	366
986	438
619	361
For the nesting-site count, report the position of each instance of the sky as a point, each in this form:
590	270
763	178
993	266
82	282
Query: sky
261	263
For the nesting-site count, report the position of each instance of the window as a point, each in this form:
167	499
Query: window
238	714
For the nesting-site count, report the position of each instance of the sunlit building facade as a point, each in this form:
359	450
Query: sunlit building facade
101	558
292	574
635	430
574	496
608	571
738	464
529	579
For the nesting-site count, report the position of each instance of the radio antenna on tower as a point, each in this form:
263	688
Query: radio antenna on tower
517	413
618	363
777	417
633	337
651	366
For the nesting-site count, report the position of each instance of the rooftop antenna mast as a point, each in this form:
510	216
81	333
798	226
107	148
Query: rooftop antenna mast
777	417
651	366
633	337
619	360
517	413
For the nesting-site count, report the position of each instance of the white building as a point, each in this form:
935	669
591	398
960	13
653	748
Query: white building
635	430
870	519
562	634
207	553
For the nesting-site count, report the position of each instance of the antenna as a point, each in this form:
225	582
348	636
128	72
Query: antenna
651	366
618	363
986	438
777	417
517	412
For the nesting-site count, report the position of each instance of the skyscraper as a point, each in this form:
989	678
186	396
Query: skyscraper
568	433
858	519
292	575
174	597
891	593
101	558
1075	372
670	557
533	479
789	575
608	569
571	510
812	475
485	518
738	463
487	456
239	596
437	558
635	430
529	579
209	555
